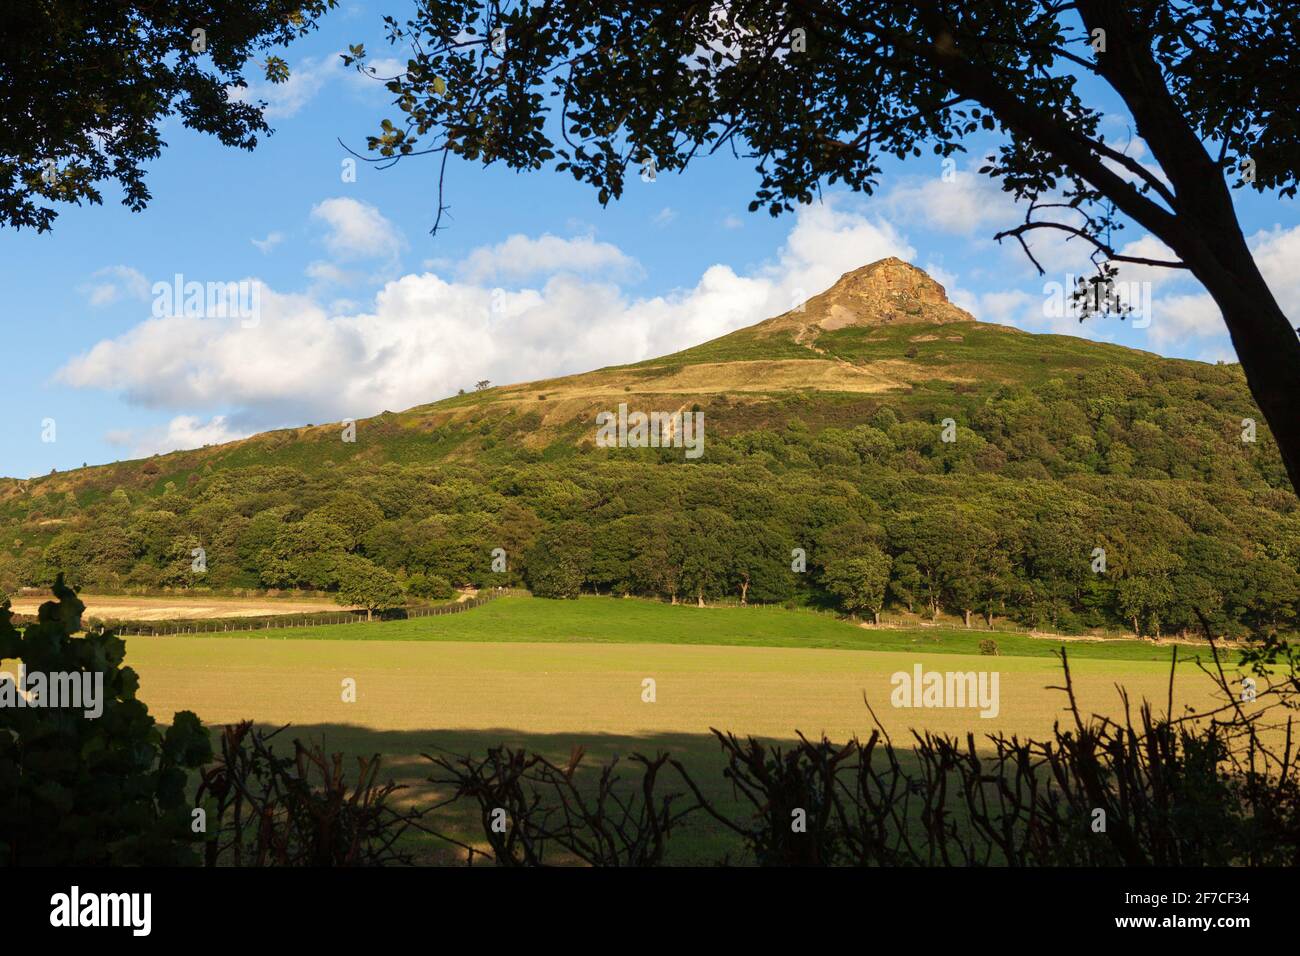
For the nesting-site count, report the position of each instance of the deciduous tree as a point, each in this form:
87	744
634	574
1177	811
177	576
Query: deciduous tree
859	582
86	85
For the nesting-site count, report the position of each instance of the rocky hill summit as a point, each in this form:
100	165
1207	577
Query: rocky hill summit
885	292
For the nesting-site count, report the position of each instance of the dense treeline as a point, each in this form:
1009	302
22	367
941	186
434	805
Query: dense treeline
833	517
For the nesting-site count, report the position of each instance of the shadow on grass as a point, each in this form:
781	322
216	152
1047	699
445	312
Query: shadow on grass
701	840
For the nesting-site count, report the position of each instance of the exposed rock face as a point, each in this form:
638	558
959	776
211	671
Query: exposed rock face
886	292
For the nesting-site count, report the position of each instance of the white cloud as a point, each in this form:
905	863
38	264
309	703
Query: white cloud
357	230
113	283
1187	312
1132	146
963	205
972	207
1025	310
664	216
327	273
378	69
520	256
1177	318
183	431
1218	353
272	240
1180	310
1149	247
423	335
306	79
1277	253
828	240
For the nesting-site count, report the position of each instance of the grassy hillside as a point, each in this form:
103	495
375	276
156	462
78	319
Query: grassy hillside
986	467
1158	409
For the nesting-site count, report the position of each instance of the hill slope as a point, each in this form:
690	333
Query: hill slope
884	329
884	334
876	418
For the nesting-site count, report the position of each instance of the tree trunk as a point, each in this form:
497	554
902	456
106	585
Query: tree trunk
965	614
1200	225
875	617
988	617
1205	232
369	614
744	592
699	598
1269	353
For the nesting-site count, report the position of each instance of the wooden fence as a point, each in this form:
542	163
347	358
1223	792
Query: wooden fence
273	622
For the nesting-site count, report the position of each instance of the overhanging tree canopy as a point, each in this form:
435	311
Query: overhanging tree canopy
85	85
819	92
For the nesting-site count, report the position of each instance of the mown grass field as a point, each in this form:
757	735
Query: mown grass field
551	675
638	621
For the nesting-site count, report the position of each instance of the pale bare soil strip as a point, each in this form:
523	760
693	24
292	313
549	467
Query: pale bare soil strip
131	608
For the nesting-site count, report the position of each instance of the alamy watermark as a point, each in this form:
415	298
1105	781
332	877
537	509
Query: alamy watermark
651	430
211	300
75	690
947	689
130	910
1079	298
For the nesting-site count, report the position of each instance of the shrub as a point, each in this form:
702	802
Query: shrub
989	647
1200	790
78	790
429	587
272	810
552	813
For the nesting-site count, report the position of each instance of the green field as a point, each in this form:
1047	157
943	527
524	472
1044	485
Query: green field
549	675
638	621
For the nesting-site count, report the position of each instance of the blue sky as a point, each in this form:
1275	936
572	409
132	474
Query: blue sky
362	310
